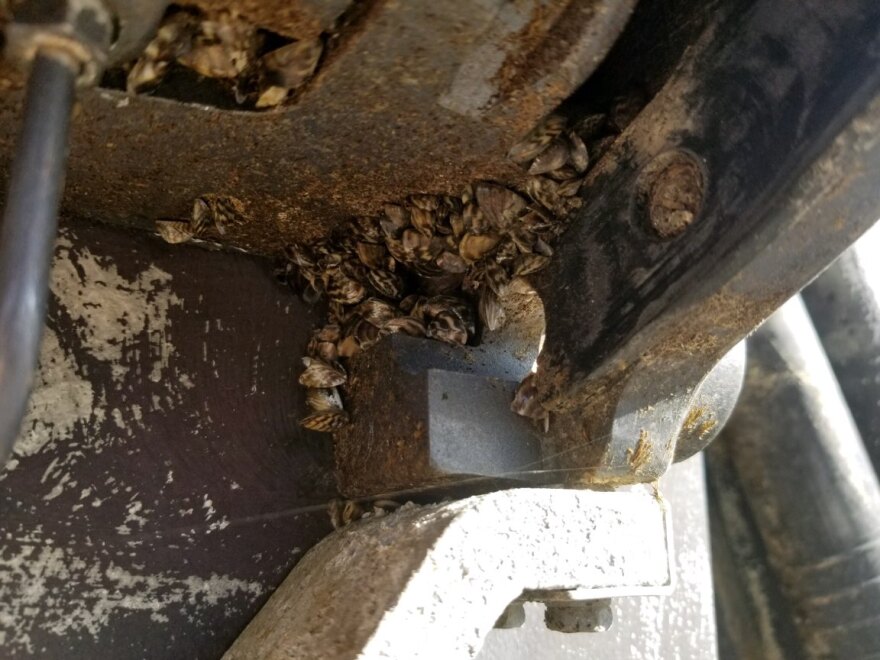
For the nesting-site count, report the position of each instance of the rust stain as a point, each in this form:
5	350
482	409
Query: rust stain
299	19
639	456
518	64
693	416
699	419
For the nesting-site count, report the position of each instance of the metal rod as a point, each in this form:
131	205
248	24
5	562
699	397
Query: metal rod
27	234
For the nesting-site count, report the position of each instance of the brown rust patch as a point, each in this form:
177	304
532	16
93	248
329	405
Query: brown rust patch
520	63
693	416
298	19
556	31
373	455
699	420
639	456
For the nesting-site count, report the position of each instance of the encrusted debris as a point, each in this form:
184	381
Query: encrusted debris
438	266
432	266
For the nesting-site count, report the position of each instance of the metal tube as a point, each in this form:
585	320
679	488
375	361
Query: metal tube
844	303
27	234
810	486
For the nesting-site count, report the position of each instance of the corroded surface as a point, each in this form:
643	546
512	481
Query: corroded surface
406	102
160	488
300	19
662	312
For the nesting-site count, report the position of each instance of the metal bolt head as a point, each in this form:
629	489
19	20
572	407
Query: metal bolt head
671	190
81	31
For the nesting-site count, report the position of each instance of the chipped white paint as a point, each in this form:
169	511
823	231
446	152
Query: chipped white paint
61	399
208	506
116	414
37	570
210	512
114	312
123	335
135	515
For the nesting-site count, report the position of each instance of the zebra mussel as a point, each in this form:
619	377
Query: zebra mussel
566	151
344	512
210	212
437	266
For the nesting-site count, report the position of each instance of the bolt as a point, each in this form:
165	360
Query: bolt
671	188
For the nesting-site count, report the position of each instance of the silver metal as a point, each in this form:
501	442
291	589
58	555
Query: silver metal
27	235
712	403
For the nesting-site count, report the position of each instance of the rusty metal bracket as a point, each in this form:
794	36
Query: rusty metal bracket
707	214
394	108
752	169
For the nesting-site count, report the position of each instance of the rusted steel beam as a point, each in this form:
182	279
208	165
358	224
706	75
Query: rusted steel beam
417	96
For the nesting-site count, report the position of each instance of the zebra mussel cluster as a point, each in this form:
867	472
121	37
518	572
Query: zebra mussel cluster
438	266
225	47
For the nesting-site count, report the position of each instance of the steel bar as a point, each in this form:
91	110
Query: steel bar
28	233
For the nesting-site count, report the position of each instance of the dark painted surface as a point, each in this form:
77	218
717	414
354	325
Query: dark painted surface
161	487
754	618
779	110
